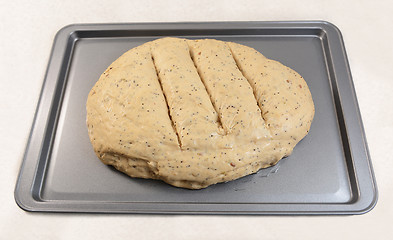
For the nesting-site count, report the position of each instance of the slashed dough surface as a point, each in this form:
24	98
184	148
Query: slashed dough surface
196	112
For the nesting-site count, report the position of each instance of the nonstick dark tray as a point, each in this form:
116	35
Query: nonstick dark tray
329	171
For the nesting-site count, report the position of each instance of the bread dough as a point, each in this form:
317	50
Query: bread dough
196	112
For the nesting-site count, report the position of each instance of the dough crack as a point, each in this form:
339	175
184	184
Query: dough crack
254	90
221	130
166	101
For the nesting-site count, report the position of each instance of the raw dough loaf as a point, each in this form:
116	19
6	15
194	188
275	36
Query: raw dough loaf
196	112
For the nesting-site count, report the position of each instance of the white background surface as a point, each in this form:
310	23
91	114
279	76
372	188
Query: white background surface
27	31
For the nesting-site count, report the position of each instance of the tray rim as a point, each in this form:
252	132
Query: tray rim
64	41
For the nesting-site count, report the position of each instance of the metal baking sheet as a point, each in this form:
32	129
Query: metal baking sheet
329	171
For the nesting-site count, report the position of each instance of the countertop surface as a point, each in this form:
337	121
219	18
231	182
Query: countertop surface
27	33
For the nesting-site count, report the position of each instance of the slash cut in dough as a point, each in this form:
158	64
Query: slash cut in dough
196	112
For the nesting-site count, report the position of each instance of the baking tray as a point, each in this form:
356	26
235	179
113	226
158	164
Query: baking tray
329	171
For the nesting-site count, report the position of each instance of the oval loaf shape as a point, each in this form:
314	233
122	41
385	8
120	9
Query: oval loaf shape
196	112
